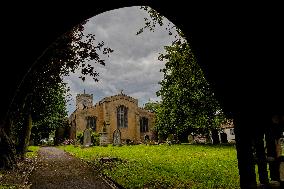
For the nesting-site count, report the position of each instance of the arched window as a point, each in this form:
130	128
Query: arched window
122	117
144	125
91	123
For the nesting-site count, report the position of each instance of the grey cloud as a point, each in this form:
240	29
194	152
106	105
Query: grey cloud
133	66
118	29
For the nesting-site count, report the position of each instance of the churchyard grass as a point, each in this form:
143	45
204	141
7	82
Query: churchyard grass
32	151
163	166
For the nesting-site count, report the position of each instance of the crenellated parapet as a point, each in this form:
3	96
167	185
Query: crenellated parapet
118	97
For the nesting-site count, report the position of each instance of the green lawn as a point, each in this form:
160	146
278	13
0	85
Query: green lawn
162	166
34	150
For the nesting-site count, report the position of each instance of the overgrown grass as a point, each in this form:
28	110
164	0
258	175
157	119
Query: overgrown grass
161	166
32	151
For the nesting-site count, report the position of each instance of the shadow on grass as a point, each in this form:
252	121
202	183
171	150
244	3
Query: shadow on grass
211	145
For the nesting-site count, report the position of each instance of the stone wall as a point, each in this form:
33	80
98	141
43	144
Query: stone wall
105	112
84	100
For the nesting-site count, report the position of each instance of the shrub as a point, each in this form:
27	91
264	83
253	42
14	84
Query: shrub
95	138
80	137
129	142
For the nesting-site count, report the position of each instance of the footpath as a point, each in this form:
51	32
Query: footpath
58	170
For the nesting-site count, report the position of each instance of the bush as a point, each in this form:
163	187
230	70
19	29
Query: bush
129	142
80	137
95	138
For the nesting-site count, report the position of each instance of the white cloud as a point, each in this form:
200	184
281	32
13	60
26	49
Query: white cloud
133	66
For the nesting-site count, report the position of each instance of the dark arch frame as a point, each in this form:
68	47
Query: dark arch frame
246	36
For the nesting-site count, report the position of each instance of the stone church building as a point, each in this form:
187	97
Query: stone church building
109	114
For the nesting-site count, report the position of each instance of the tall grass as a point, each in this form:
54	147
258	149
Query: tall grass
162	166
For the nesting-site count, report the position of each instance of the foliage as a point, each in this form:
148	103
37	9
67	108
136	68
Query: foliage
95	138
8	186
188	102
163	166
170	138
42	92
80	137
154	19
151	22
32	151
152	106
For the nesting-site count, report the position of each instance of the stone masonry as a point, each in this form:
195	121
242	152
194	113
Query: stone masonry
104	115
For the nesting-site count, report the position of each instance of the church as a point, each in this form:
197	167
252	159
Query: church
119	112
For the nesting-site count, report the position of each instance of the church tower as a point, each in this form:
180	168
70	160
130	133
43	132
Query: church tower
84	101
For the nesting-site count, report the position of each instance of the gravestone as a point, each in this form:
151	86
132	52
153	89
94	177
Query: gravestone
87	138
103	139
117	137
146	138
190	139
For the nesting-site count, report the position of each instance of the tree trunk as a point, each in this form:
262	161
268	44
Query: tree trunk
215	136
244	144
24	142
7	149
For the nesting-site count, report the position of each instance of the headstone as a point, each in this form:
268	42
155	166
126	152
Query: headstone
190	139
104	139
117	137
87	138
146	138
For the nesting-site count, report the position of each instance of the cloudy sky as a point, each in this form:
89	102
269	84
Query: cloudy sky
133	66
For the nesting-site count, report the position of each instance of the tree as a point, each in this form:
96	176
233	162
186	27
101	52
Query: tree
40	98
152	106
188	103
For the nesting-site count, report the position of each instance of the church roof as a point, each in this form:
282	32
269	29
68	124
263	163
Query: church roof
118	97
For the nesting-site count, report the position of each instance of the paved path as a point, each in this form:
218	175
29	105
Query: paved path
57	169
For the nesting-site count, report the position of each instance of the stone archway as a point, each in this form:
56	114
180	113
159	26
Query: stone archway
238	41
